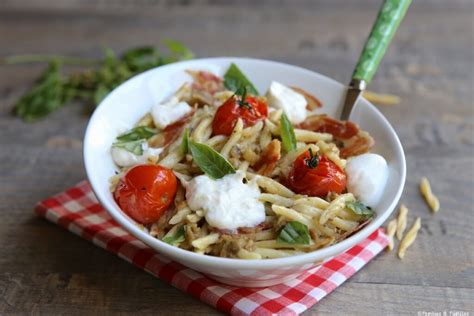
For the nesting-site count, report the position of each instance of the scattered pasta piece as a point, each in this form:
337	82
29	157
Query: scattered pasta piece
313	201
203	242
344	224
274	187
391	229
193	218
179	216
381	99
292	215
276	199
265	235
409	238
245	254
233	139
308	210
402	221
335	207
306	136
430	198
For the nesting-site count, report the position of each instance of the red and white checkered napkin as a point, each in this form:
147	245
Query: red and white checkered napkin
77	210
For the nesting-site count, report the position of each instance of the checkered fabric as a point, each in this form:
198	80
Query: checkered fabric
77	210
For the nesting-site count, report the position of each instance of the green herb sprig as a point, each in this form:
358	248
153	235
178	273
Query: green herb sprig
55	89
178	237
210	161
133	140
288	137
360	208
135	147
235	80
294	233
184	147
137	133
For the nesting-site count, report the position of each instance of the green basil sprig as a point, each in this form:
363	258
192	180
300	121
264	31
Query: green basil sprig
294	233
177	238
360	209
137	133
235	80
210	161
288	137
54	89
184	148
135	147
133	140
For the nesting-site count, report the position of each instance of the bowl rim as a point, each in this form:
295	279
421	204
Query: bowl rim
218	262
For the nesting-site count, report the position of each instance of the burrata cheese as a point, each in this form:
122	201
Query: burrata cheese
228	203
367	177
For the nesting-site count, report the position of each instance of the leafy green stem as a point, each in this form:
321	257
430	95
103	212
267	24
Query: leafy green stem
55	88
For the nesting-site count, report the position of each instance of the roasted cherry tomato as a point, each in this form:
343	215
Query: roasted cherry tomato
250	110
316	175
145	192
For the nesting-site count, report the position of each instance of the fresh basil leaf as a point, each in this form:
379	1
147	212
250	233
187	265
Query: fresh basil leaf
235	80
185	142
210	161
359	208
294	233
135	147
177	238
137	133
288	137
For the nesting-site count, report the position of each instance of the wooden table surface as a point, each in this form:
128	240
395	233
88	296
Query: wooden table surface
44	269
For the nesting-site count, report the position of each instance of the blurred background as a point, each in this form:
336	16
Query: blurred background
429	65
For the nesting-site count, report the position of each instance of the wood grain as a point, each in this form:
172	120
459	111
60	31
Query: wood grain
45	270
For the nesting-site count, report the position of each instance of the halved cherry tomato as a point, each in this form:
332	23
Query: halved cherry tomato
145	192
315	176
251	110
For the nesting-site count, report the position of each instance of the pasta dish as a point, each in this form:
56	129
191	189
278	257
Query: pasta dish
220	169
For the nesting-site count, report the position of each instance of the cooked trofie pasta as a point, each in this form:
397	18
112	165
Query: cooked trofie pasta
391	229
409	238
402	221
219	169
381	99
430	198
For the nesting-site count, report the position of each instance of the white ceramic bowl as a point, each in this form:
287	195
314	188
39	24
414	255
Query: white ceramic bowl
131	100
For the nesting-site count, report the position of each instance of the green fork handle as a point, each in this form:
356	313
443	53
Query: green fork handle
388	19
